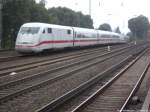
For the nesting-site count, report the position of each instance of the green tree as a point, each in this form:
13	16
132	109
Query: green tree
18	12
38	13
15	12
139	26
105	27
65	16
42	2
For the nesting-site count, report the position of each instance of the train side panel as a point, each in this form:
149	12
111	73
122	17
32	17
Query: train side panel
62	38
36	37
105	37
56	37
84	37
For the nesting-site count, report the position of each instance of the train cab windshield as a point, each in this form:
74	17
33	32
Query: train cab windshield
29	30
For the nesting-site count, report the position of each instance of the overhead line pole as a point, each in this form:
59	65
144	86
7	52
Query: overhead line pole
90	8
1	5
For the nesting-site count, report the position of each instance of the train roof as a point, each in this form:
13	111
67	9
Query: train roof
105	32
78	29
38	24
108	33
45	25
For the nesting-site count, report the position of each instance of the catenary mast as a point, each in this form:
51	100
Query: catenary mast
0	23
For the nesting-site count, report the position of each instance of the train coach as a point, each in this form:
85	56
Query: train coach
37	37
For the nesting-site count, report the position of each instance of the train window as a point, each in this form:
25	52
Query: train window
29	30
68	31
49	30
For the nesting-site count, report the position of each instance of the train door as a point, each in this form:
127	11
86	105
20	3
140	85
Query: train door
50	37
46	38
62	38
42	39
56	38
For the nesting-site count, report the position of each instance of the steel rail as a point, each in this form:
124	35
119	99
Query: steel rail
35	64
3	50
3	59
52	58
31	65
55	103
94	95
30	88
136	87
41	74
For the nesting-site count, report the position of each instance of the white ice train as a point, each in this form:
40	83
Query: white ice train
37	37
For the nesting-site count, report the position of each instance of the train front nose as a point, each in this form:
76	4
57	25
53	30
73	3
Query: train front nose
27	39
26	43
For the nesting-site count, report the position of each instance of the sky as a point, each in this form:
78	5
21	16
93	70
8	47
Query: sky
114	12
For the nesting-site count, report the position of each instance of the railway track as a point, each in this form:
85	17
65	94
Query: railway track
4	50
142	95
58	77
8	56
11	56
63	67
117	92
113	94
52	69
5	71
31	88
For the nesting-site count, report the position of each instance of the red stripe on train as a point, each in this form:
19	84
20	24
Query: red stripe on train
55	42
